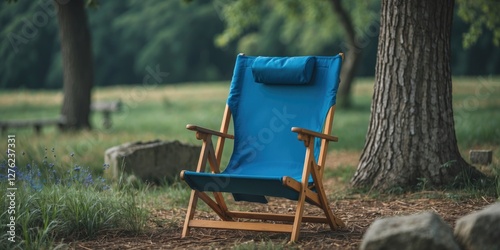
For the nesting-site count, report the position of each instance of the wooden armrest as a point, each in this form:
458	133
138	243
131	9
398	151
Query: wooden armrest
314	134
208	131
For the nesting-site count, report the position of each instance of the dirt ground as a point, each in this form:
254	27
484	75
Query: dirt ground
357	211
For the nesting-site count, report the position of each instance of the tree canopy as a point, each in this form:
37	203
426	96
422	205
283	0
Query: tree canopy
184	39
480	14
300	27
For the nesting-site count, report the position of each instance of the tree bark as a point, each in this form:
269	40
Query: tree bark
353	55
78	71
411	136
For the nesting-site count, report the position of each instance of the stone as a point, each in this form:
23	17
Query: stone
483	157
420	231
153	161
480	230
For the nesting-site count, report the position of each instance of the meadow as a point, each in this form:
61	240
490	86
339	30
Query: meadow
56	165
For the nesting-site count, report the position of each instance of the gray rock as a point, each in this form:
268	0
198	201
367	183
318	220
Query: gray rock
424	231
480	230
483	157
153	161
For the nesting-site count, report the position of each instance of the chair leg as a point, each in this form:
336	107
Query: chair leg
190	212
333	221
303	193
298	216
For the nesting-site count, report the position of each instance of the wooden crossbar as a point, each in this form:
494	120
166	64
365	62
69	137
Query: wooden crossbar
276	217
311	196
250	226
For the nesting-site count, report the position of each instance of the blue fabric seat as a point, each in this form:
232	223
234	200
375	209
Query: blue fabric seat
268	96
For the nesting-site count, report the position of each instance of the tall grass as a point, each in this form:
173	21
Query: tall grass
52	204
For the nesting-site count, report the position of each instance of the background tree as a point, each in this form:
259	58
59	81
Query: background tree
78	72
75	50
354	51
411	136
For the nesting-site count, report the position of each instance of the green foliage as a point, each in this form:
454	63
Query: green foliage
155	43
174	41
176	36
238	15
29	37
291	26
480	14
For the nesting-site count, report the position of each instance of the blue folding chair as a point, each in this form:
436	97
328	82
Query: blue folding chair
269	98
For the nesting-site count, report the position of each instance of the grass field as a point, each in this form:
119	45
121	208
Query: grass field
161	112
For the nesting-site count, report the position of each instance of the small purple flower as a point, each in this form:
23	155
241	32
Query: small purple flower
88	180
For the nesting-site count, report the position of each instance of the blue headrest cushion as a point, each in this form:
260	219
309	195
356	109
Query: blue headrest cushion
283	70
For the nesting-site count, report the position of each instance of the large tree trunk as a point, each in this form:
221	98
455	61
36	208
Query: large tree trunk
411	136
78	72
353	55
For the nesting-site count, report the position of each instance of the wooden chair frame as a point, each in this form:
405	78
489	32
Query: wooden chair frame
317	197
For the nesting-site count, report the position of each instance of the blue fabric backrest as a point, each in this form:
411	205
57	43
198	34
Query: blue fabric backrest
263	114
